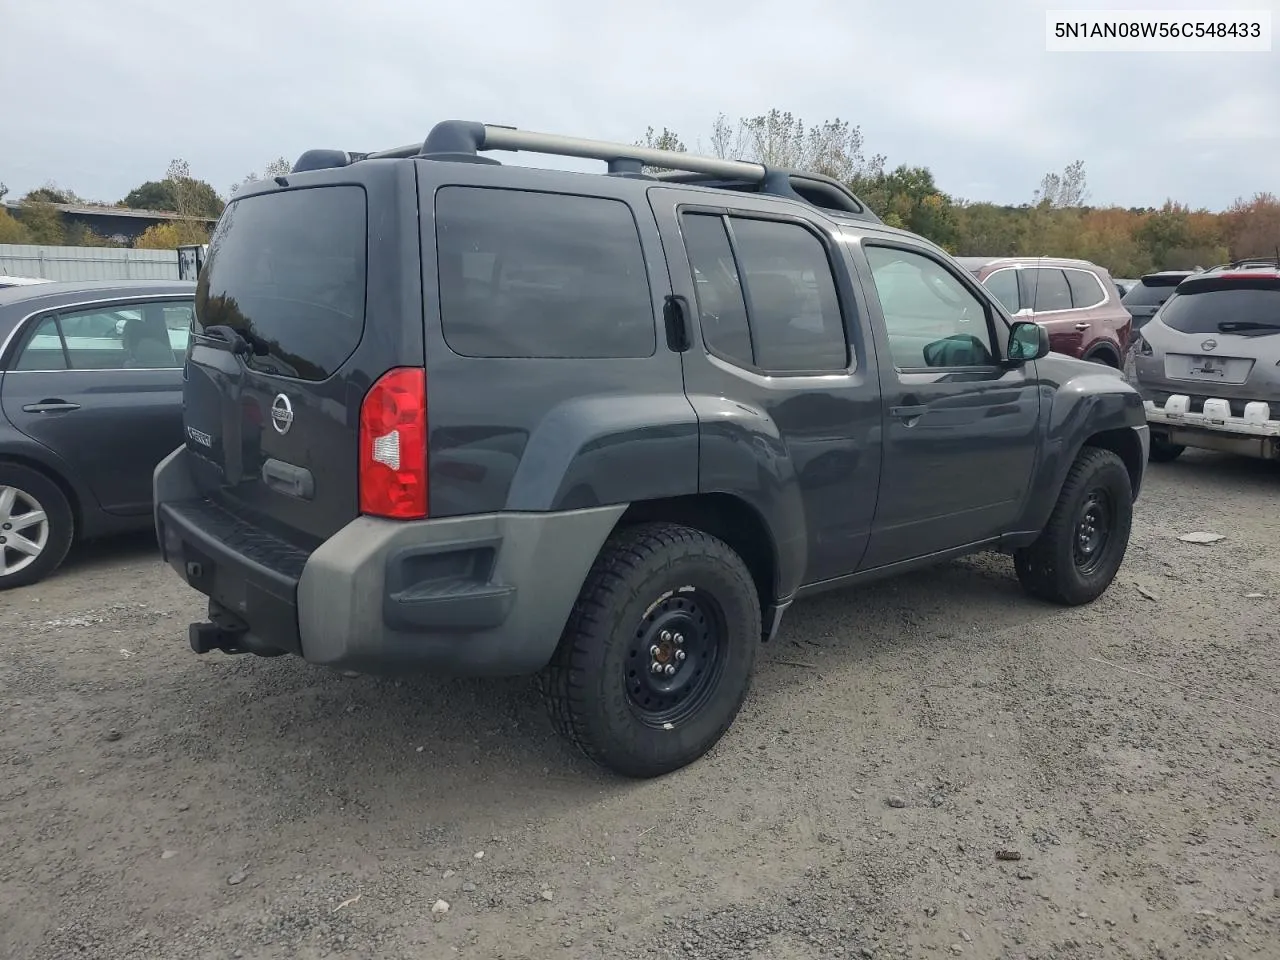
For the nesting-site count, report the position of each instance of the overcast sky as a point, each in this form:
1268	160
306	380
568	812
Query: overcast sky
98	95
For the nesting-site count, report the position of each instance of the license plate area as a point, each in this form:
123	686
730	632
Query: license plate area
1207	369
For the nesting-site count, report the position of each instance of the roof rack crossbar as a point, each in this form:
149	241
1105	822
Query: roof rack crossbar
464	139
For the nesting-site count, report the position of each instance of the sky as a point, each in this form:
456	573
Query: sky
99	95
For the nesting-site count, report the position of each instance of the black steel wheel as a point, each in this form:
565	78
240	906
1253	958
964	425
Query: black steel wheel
675	657
1097	518
658	653
1079	552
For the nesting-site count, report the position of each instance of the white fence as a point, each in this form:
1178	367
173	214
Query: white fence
87	263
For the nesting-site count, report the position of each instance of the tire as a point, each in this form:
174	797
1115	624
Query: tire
1097	498
23	492
1162	451
1105	359
652	585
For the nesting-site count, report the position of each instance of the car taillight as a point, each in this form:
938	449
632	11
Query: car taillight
1144	348
393	446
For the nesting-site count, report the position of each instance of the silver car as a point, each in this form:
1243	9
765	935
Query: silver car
1208	363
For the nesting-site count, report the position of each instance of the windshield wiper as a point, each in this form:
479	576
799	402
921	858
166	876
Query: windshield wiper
1231	326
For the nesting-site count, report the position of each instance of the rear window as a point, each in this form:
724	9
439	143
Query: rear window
525	274
1144	294
287	271
1249	308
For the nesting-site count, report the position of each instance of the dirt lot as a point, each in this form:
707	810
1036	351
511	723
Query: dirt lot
156	804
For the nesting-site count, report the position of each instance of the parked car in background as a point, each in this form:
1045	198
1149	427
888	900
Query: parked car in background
1124	286
1208	363
6	282
91	394
1076	301
1150	292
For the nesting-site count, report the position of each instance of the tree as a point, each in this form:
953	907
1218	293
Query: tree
908	197
171	234
178	192
1251	228
12	230
42	220
1067	189
278	167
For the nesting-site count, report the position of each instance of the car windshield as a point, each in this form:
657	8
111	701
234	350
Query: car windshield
1249	308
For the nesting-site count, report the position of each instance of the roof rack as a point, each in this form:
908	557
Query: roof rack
463	140
1247	261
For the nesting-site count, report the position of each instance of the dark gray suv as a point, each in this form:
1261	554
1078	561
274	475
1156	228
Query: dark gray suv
448	415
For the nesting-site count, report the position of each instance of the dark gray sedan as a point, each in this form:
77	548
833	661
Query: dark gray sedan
91	394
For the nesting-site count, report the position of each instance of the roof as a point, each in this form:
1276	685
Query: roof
59	291
85	210
975	263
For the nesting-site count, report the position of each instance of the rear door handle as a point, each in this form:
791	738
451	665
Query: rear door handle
50	406
909	412
1082	327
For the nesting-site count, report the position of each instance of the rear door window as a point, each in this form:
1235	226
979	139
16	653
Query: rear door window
288	272
526	274
1249	308
1048	289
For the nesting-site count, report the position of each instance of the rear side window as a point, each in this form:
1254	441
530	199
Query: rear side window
43	351
1048	289
1249	308
287	271
766	294
526	274
1086	291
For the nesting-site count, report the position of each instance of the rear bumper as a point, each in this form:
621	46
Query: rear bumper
476	596
1256	433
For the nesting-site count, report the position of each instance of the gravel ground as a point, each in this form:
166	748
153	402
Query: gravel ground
898	741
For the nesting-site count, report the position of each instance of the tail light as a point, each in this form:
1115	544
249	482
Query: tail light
1144	348
393	446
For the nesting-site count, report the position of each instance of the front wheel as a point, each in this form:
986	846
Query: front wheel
1082	546
658	653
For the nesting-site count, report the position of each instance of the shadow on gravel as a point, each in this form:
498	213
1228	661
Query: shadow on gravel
95	555
294	742
1212	466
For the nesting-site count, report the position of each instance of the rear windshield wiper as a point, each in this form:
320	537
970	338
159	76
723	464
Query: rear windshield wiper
1232	326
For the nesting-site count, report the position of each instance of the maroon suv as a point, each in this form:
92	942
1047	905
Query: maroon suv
1076	300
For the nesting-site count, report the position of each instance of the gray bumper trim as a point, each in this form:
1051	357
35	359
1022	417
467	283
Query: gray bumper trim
495	593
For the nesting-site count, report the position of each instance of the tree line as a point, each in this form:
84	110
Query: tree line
1056	220
194	201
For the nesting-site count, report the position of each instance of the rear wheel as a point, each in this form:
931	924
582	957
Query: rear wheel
1082	546
658	653
1162	451
36	526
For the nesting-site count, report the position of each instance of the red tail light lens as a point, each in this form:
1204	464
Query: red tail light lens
393	446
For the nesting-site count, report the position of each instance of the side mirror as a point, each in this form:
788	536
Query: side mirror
1027	341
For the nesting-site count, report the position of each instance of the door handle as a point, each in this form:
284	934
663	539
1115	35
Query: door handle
909	412
1082	327
50	406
